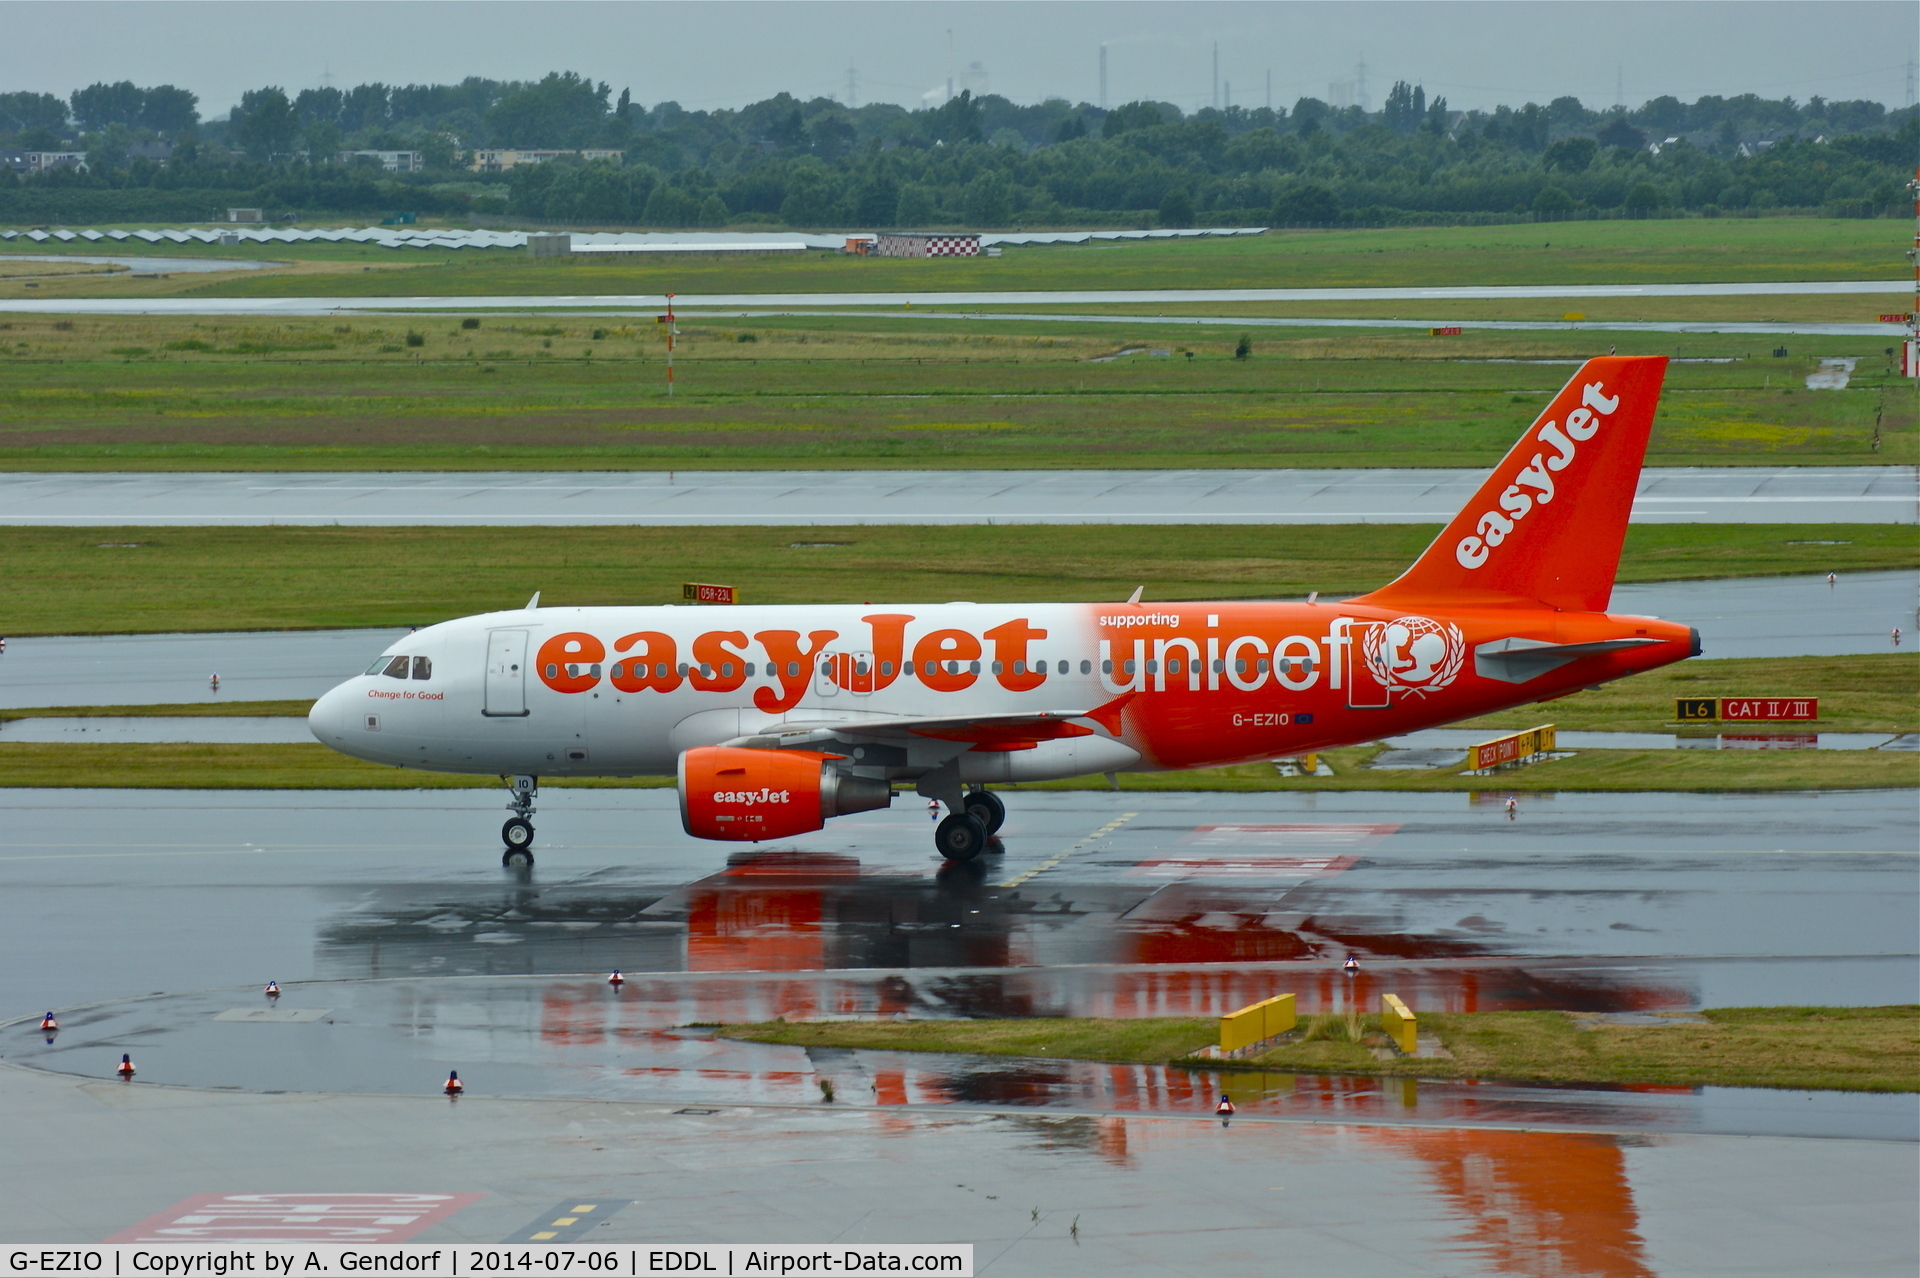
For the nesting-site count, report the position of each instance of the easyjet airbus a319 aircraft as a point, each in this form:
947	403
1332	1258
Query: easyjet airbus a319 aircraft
777	718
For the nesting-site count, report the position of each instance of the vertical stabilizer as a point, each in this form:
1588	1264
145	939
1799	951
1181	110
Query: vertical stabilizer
1548	524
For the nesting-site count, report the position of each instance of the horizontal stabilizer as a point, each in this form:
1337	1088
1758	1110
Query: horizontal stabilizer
1518	660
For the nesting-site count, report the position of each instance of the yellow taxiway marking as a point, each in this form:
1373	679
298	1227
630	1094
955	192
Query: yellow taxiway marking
542	1236
1044	866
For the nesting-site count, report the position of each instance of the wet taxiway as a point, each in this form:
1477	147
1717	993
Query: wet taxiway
1684	494
1745	617
149	921
1583	901
171	669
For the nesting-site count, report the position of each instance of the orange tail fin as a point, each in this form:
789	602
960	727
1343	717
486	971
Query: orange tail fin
1548	524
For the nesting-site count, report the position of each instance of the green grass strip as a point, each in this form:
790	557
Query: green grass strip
1816	1048
162	579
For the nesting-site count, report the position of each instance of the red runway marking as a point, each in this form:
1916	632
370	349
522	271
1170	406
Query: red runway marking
1288	836
328	1218
1236	867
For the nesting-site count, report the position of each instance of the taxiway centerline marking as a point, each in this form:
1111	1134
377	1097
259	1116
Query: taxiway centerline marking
1046	865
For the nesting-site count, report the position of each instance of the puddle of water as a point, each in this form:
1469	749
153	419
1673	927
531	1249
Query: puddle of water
1833	374
163	265
579	1038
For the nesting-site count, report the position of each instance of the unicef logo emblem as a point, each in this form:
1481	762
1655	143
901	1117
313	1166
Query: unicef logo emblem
1414	655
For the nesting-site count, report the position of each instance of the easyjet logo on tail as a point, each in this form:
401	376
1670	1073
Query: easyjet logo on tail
1534	485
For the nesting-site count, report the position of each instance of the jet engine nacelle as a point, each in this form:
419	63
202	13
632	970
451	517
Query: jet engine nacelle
746	795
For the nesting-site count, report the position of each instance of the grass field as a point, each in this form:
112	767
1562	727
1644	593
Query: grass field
1825	1048
1764	308
550	393
148	580
14	269
1656	251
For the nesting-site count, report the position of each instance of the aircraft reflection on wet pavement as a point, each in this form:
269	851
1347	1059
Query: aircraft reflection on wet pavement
533	1037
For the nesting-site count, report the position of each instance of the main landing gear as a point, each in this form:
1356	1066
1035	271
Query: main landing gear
964	834
517	833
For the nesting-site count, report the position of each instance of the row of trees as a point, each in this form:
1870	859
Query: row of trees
985	161
567	110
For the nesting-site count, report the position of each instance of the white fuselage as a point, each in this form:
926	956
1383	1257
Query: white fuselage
486	707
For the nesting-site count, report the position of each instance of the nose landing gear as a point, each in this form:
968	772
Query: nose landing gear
517	833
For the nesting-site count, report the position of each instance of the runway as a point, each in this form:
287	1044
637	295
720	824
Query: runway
1726	494
150	919
1737	617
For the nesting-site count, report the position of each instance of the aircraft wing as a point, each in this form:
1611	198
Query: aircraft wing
990	731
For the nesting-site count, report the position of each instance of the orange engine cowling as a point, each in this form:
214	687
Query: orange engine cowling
746	795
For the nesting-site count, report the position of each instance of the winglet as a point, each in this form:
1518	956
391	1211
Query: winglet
533	602
1135	596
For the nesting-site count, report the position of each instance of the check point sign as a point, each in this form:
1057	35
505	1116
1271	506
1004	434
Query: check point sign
238	1259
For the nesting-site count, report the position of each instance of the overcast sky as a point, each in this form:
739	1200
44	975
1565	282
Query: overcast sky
717	53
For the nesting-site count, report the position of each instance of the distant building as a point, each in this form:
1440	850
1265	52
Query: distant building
15	160
42	161
925	244
391	161
157	153
499	161
246	215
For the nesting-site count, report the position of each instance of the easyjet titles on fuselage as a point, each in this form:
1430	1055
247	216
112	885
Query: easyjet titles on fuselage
1194	651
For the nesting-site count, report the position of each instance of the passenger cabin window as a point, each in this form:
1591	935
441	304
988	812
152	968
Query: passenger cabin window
422	668
397	668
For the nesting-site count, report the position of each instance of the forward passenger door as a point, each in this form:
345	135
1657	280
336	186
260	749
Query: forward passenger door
506	688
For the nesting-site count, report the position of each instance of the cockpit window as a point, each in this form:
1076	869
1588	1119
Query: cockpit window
379	664
397	668
422	668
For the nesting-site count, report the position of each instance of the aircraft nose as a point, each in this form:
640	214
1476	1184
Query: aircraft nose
328	718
